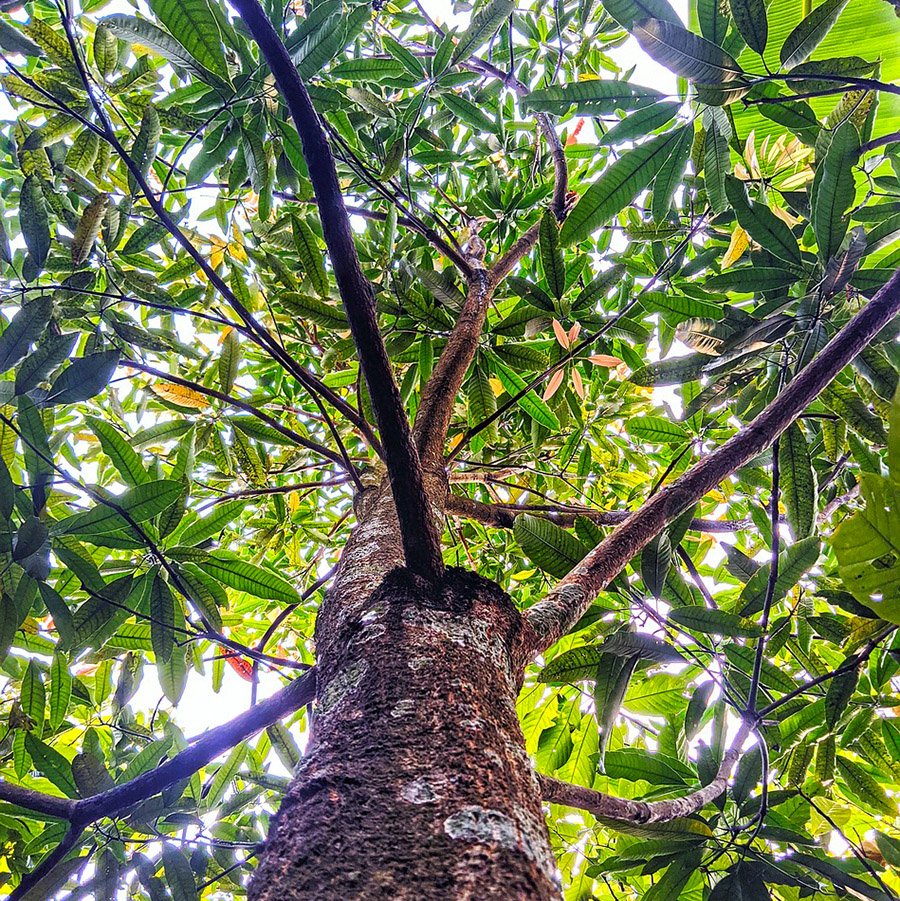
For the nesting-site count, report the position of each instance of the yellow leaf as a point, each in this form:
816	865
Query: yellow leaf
223	337
785	216
496	386
454	441
181	396
740	241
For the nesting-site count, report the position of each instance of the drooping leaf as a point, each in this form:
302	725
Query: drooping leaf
798	481
685	53
552	548
618	185
808	34
193	25
23	330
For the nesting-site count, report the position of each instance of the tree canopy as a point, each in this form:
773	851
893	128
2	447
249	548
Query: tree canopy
185	428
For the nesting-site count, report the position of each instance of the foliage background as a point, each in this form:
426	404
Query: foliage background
184	424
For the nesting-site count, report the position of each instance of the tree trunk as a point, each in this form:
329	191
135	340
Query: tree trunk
416	782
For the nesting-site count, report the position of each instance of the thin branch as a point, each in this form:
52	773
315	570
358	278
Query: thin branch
503	516
644	812
552	617
296	437
418	528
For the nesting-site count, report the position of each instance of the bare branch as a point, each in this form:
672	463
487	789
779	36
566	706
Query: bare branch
552	617
419	531
644	812
503	516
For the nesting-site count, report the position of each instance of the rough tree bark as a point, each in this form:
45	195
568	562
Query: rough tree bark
416	782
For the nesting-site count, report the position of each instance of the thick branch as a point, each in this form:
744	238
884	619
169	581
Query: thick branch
421	539
643	812
552	617
503	516
208	747
436	407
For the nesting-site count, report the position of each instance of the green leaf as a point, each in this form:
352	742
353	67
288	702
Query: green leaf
60	690
641	646
529	402
142	33
193	24
162	622
793	562
29	538
551	255
139	504
670	372
611	676
714	622
63	620
670	174
42	360
801	42
752	22
640	123
716	166
867	547
173	673
52	764
225	776
483	26
120	452
864	787
762	224
833	190
284	746
23	330
83	378
553	549
311	258
637	765
798	481
685	53
247	577
618	185
840	691
34	221
656	561
88	228
179	875
852	409
34	697
657	430
594	97
318	311
467	112
197	531
627	12
575	665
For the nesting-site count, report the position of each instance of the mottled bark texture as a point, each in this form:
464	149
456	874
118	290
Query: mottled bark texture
416	783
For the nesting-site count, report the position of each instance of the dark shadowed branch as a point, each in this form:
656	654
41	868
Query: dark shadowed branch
421	539
552	617
298	693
